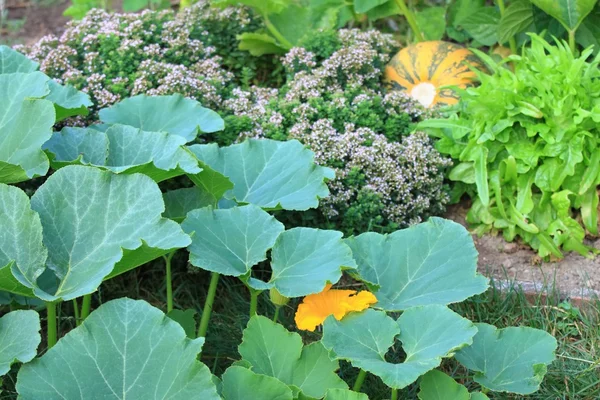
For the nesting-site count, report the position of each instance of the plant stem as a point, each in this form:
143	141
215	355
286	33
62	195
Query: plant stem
51	323
276	314
253	301
572	40
273	31
359	380
394	394
168	282
85	307
410	18
208	304
76	312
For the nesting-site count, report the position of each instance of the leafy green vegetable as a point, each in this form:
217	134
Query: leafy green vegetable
430	263
365	338
123	149
239	382
510	359
268	173
172	114
125	349
570	13
230	241
273	351
19	338
435	385
531	147
85	243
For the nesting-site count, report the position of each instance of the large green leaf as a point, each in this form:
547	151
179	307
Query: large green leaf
304	260
430	263
93	220
483	25
25	124
344	394
172	114
269	173
123	149
239	382
362	6
436	385
179	202
273	351
230	241
517	17
67	100
259	44
432	22
263	6
21	246
19	338
510	359
126	349
12	61
427	333
570	13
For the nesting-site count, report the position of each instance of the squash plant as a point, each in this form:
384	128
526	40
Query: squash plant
101	213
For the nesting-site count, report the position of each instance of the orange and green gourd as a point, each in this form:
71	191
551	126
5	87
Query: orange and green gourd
424	69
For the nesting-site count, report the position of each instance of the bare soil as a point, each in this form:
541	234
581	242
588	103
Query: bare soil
28	20
575	277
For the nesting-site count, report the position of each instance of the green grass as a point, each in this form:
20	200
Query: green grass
574	375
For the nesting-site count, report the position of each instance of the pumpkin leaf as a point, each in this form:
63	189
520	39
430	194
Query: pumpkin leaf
186	319
85	240
67	100
179	202
238	382
259	44
517	17
172	114
123	149
436	385
510	359
144	355
12	61
19	338
569	13
230	241
364	338
432	22
304	260
25	124
273	351
344	394
362	6
21	246
263	6
482	25
269	173
431	263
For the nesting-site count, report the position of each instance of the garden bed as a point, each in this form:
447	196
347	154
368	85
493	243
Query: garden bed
575	277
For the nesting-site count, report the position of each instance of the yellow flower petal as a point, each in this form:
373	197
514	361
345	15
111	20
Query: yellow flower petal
315	308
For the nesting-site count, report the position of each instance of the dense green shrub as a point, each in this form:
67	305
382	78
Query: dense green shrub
330	98
114	56
528	149
334	102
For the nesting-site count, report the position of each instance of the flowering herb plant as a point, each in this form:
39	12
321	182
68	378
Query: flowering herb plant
101	214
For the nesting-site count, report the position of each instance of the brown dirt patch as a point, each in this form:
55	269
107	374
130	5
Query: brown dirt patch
27	21
575	277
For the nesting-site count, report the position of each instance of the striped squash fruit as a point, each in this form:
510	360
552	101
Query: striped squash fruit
422	69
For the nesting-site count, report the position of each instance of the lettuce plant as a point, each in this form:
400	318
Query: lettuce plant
527	150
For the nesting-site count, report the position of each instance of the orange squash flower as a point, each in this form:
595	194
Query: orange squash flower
315	308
